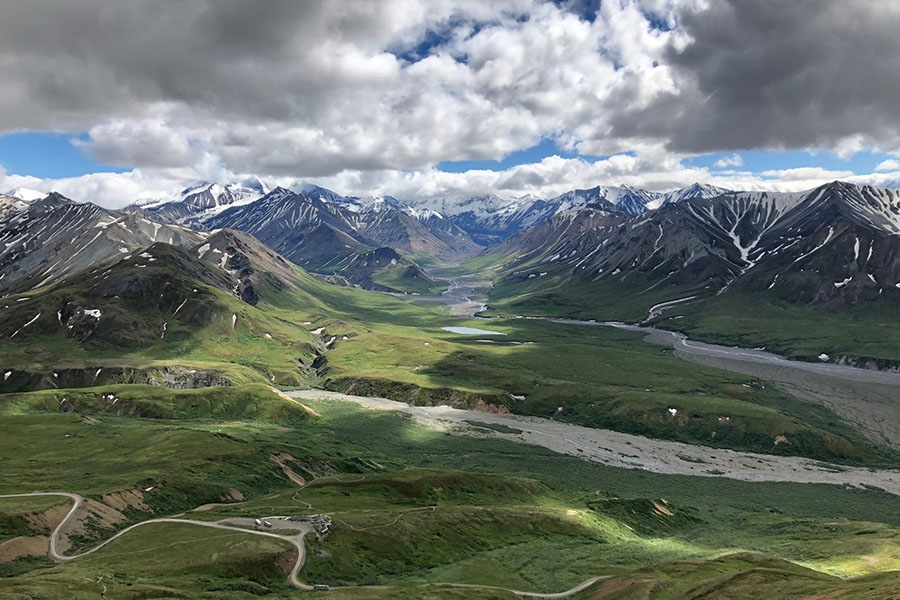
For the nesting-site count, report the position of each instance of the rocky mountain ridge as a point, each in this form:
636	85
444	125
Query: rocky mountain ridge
837	244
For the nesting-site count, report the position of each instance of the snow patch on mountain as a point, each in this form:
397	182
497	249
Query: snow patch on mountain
26	194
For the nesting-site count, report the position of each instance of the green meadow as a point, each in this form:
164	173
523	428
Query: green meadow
410	506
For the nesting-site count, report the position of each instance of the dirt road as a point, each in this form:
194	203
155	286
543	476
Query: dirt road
629	451
77	501
567	593
243	525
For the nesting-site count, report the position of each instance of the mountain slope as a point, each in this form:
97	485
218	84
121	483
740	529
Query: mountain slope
158	310
45	240
490	219
302	228
201	200
837	245
429	236
326	237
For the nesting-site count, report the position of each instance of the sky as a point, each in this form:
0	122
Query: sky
112	101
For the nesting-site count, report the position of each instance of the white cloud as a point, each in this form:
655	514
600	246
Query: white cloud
848	146
888	165
807	174
111	190
549	177
312	89
346	94
149	142
735	160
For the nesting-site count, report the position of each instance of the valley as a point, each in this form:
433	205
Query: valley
624	450
449	300
483	423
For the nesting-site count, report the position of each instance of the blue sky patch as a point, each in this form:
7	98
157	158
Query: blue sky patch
47	155
758	161
534	154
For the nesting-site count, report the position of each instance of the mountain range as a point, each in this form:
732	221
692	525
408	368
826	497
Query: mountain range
836	245
372	242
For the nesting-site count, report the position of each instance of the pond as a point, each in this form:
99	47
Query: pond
471	331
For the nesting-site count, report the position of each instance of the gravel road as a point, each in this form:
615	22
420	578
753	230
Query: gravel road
77	501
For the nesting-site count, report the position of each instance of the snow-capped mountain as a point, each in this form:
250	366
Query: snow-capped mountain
836	243
301	226
490	219
370	221
327	233
487	219
624	199
26	194
202	200
696	190
12	204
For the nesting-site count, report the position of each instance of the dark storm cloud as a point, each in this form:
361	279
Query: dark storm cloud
70	64
779	74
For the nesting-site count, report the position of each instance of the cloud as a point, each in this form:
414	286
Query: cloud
316	89
284	87
551	176
888	165
149	143
110	190
778	75
727	162
807	174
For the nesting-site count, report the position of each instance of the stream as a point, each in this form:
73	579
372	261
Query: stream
867	400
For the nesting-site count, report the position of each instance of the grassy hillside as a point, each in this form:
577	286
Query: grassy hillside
735	317
410	506
600	377
754	320
169	311
556	295
159	324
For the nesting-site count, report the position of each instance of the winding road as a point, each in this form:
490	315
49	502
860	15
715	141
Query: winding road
78	501
567	593
295	540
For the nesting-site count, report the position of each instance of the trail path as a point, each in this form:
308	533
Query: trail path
570	592
77	501
295	540
630	451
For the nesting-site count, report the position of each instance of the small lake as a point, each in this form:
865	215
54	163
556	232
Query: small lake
471	331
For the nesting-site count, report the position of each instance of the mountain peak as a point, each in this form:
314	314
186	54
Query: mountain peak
26	194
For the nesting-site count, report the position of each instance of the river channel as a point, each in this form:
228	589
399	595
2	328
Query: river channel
868	400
